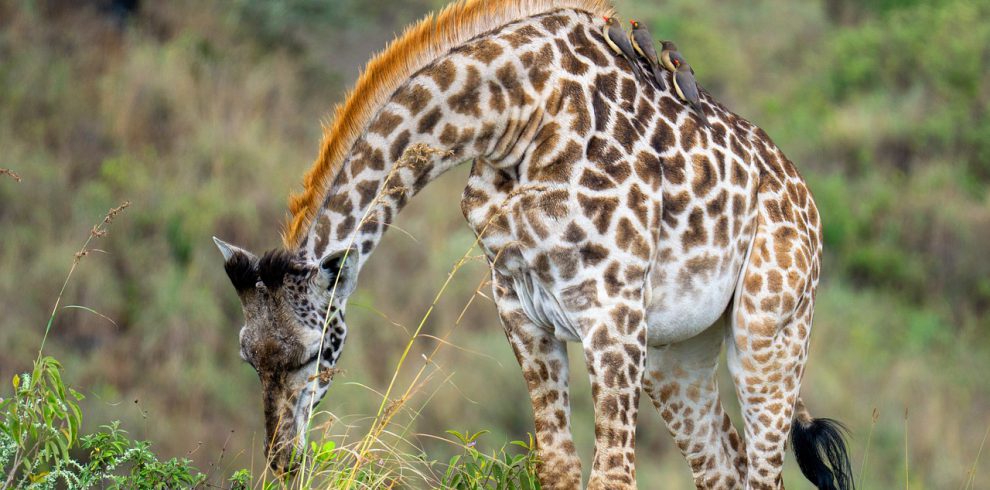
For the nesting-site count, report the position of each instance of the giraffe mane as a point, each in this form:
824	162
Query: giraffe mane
419	45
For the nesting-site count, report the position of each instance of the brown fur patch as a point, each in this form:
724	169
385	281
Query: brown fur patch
673	168
704	175
648	169
538	63
599	210
696	234
585	48
429	121
414	97
385	123
484	50
443	74
467	101
569	61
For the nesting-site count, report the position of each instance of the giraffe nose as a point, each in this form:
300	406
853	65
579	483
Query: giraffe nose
282	465
281	460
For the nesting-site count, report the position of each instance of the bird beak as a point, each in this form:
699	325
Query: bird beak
606	19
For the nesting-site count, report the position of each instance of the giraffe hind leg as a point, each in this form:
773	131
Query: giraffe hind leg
681	379
771	325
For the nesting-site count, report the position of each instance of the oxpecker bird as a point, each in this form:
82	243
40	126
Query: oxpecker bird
642	42
668	51
687	87
684	82
616	38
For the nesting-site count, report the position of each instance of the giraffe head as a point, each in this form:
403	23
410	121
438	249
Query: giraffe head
292	336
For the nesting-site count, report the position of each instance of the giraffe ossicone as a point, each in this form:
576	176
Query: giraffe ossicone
610	216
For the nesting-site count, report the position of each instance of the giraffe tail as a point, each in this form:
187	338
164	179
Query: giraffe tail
820	450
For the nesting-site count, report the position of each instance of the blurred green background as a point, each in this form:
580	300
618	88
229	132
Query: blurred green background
206	114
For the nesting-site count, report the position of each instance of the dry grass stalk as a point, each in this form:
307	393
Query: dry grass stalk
389	408
413	157
326	375
10	173
99	230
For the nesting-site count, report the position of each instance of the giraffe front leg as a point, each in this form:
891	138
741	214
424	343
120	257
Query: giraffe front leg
543	359
615	352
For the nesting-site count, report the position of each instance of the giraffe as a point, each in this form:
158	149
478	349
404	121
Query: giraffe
610	216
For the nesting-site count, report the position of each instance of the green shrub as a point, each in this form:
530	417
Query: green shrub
40	424
472	469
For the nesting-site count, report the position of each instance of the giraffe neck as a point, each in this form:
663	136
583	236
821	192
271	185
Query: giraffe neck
461	107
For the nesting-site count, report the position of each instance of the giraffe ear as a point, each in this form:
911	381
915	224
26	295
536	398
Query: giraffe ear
338	272
241	265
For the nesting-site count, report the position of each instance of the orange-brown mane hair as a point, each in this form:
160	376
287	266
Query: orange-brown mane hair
419	45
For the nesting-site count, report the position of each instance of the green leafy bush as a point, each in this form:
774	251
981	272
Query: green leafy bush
472	469
40	425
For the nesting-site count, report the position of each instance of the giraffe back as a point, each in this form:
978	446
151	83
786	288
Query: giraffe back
597	171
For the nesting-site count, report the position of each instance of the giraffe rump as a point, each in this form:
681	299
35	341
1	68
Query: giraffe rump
418	45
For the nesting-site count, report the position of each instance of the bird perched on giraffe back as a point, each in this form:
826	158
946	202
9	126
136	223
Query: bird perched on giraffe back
642	42
616	39
668	50
685	85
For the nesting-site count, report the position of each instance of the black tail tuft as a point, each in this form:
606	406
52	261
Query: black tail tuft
821	453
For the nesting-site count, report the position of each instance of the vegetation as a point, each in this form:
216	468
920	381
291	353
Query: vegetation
204	116
39	425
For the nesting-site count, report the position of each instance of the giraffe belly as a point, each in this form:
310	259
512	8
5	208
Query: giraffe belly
679	309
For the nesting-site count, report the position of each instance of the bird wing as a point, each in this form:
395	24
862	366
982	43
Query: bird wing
636	44
645	41
623	43
687	85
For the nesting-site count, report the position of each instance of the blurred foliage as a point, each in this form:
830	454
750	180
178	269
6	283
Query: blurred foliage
206	114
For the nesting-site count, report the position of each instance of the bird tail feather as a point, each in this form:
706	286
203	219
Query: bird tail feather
658	74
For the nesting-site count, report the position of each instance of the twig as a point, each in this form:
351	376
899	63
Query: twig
384	416
10	173
98	231
326	375
971	481
907	473
869	438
